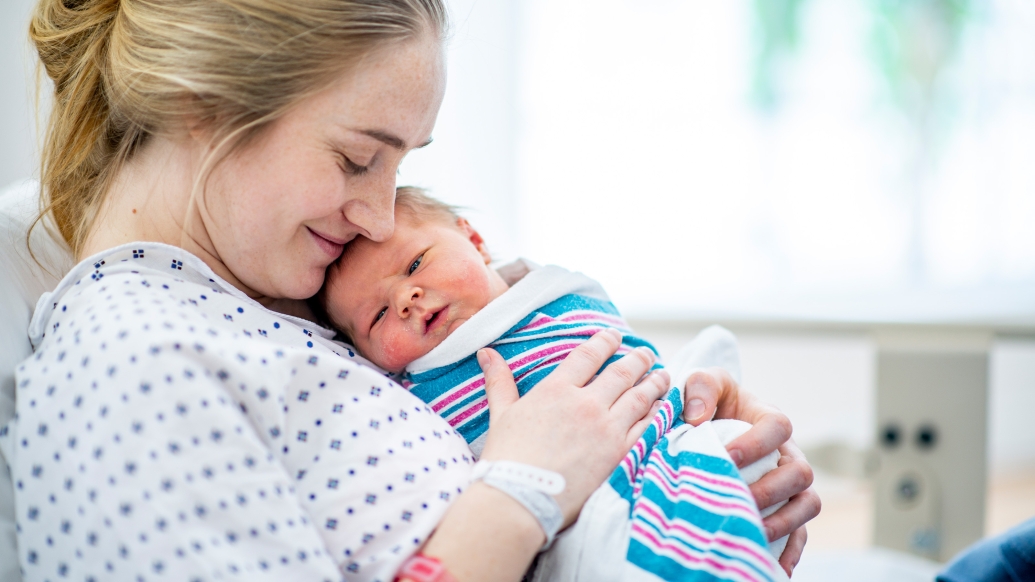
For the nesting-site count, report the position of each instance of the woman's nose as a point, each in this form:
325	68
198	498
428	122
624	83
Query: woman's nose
374	213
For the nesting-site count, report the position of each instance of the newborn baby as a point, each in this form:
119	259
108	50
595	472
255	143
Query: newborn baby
676	508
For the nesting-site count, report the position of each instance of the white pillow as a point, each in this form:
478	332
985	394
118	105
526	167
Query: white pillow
22	281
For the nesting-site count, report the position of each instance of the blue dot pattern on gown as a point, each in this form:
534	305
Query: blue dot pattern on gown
168	427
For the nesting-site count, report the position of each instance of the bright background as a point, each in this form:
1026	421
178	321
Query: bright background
835	159
863	160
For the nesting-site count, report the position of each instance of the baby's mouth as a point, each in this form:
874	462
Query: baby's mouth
435	319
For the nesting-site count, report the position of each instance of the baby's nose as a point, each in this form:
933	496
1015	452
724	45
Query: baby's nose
407	299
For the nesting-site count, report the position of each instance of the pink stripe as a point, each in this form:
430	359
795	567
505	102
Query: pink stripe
629	465
661	421
662	522
689	557
674	493
639	449
458	393
541	354
732	484
541	365
586	331
480	381
467	413
538	321
595	317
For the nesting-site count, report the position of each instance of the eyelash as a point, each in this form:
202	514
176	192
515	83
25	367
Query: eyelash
354	168
415	264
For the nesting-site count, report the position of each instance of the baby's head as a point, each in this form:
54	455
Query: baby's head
398	299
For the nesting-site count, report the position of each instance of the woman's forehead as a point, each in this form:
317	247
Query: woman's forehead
392	96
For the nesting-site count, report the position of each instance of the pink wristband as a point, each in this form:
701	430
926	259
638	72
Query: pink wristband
421	568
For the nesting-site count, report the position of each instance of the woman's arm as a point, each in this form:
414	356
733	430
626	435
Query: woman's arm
791	481
559	426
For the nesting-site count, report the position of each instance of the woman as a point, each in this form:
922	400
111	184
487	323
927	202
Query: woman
209	160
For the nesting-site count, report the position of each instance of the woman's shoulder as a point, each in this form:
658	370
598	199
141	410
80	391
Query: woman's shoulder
145	324
160	293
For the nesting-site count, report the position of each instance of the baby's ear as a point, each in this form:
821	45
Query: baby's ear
475	238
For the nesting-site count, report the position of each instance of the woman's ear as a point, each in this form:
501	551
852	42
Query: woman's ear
475	238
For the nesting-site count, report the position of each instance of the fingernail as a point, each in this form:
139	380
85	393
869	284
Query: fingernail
737	456
648	352
614	333
768	534
664	377
483	360
695	409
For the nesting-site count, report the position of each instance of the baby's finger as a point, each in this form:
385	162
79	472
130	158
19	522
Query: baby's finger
768	433
579	367
500	389
636	403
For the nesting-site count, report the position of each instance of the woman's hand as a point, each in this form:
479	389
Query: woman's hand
578	428
714	390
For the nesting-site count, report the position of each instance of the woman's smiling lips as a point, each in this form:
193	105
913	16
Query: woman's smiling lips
328	244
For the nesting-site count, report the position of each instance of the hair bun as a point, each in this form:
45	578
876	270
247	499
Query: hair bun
71	36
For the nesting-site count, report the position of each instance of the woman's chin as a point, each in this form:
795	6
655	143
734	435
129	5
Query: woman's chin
303	285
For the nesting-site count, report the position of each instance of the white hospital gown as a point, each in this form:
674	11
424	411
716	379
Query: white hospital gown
170	428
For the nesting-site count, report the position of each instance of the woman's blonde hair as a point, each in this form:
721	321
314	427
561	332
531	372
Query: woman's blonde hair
124	70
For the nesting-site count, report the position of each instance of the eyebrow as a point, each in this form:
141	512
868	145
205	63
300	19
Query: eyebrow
390	139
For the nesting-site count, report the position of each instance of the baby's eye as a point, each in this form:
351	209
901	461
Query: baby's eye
415	264
380	314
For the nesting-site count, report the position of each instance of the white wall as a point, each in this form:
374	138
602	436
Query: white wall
473	162
1011	435
825	382
17	120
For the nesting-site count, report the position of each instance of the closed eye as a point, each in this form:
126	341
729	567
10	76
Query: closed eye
352	167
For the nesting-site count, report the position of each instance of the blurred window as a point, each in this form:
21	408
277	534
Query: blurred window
853	159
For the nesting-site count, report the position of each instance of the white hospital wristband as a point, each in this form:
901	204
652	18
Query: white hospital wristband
530	486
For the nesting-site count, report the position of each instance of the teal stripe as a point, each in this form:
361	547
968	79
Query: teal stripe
666	568
699	516
644	557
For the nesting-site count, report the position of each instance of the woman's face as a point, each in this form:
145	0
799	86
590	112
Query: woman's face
278	210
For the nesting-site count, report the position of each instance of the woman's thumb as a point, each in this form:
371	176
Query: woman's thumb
500	388
701	397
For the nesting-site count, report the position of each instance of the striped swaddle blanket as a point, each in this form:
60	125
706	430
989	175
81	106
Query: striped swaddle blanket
685	512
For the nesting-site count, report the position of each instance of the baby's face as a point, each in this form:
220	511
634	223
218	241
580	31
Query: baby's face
400	298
